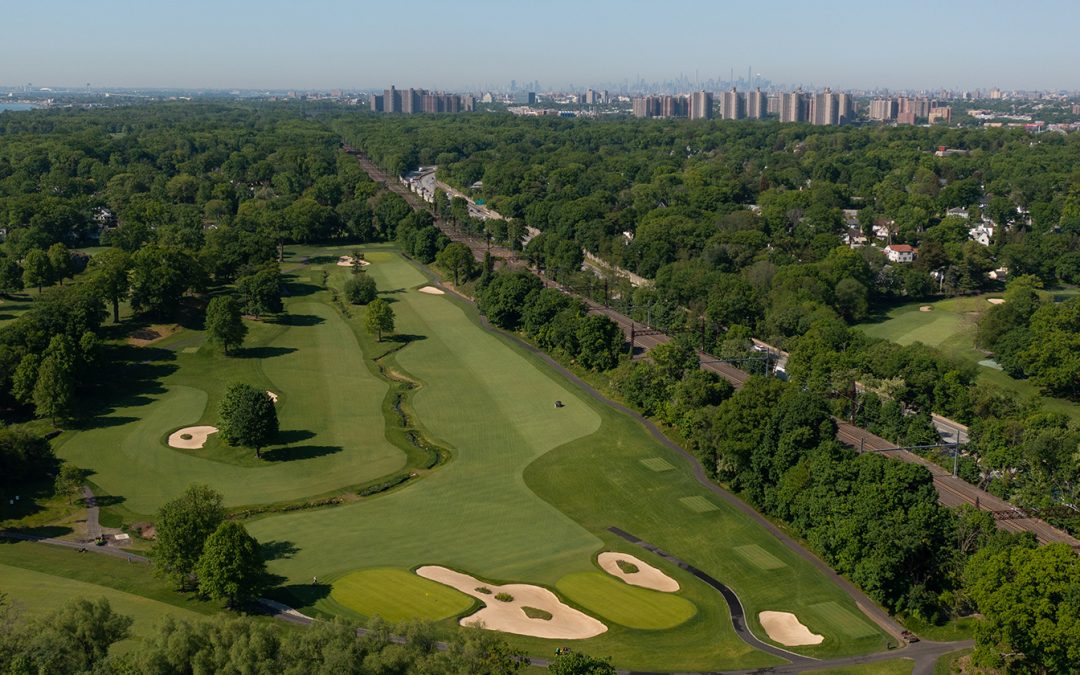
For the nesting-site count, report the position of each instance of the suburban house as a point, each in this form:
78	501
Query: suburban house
982	233
901	253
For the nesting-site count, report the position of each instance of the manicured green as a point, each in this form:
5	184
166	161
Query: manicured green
631	606
950	326
329	410
396	595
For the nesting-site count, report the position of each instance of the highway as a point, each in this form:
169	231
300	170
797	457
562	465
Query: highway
952	491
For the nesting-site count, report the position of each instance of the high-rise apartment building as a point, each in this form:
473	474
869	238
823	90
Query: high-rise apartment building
756	105
732	105
824	109
701	105
793	107
391	100
942	114
661	106
413	101
883	109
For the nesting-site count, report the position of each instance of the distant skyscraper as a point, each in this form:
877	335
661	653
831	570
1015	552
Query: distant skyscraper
701	105
392	100
824	109
733	105
756	104
883	109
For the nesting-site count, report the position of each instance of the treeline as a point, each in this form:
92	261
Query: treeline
78	639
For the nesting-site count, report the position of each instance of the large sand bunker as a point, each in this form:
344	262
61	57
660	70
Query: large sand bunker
196	437
431	290
785	628
346	261
646	576
566	623
926	308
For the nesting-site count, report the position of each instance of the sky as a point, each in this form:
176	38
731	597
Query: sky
475	44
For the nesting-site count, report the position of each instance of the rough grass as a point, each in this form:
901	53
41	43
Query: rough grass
627	605
38	579
396	595
536	613
891	667
627	567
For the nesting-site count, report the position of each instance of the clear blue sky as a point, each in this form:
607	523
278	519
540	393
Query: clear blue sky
455	44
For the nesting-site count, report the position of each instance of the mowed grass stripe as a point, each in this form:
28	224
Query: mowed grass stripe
493	408
698	504
834	616
630	606
759	557
658	464
396	595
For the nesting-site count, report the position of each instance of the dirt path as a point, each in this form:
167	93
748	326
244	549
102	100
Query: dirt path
93	513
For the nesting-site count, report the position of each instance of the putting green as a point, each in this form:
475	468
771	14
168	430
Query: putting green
630	606
396	595
331	420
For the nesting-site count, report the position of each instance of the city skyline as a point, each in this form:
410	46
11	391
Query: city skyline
336	44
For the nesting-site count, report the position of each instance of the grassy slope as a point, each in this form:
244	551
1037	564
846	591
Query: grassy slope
39	579
396	595
951	327
492	404
329	410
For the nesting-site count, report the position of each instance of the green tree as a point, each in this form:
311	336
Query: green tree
223	322
231	567
248	417
55	386
457	258
260	293
1029	600
600	341
11	279
182	526
37	271
361	289
60	262
503	298
73	639
110	273
68	480
380	318
159	278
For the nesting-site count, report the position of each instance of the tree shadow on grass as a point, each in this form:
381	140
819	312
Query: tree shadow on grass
104	421
301	595
291	453
404	338
290	436
277	549
299	289
323	259
263	352
104	500
41	532
299	320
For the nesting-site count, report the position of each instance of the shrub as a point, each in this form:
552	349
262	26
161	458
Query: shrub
483	589
504	597
627	567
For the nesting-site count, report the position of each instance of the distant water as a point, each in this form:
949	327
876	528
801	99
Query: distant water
16	106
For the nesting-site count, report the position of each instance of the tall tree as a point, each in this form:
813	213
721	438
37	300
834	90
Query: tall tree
224	324
68	480
231	567
60	262
55	386
260	293
110	272
37	271
457	258
182	526
361	289
380	318
248	417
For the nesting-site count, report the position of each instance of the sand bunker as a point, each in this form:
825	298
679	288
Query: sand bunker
996	301
346	261
566	623
785	628
197	437
431	290
926	308
647	576
272	395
